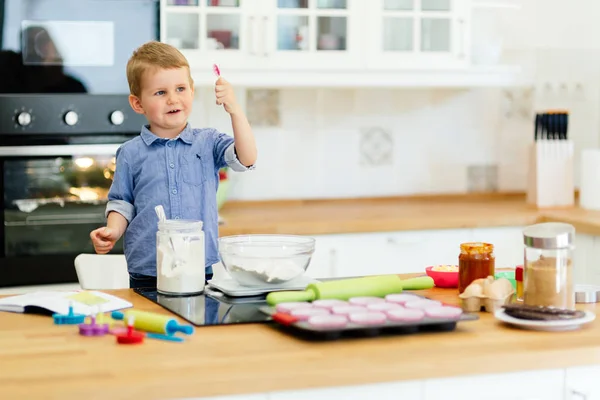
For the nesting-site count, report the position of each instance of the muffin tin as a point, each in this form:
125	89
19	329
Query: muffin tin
366	316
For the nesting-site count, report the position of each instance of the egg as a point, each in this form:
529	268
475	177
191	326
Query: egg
498	289
473	290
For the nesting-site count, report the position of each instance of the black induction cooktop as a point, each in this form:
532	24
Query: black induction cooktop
210	308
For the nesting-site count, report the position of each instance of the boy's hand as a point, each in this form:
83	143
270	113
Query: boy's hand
104	239
226	96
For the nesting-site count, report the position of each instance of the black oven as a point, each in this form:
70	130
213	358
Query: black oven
57	160
63	113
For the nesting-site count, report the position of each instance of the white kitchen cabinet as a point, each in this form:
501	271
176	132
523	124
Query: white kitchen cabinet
264	396
581	383
208	30
312	34
527	385
443	246
324	258
329	42
385	391
592	263
319	34
584	258
431	34
266	34
377	253
508	244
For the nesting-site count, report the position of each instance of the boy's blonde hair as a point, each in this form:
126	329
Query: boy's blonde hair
153	55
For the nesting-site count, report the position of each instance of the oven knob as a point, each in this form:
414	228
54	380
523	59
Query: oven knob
117	117
23	118
71	118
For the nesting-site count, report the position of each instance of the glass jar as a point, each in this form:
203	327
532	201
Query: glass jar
180	258
476	260
548	270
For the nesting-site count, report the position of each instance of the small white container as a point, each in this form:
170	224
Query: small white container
180	257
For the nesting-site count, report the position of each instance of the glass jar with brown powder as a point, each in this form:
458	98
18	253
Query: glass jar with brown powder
548	270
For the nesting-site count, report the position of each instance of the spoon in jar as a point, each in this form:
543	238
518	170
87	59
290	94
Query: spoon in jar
160	212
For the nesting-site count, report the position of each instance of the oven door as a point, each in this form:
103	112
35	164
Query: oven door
53	197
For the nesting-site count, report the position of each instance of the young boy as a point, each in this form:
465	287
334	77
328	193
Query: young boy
170	163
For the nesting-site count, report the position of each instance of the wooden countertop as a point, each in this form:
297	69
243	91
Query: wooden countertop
314	217
41	360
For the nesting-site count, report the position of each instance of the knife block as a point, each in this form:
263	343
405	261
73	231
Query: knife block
550	179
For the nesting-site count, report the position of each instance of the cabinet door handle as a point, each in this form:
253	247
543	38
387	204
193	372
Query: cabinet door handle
251	43
396	242
333	262
577	395
265	32
461	38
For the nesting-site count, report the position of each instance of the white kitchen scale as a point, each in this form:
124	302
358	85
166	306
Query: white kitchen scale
233	289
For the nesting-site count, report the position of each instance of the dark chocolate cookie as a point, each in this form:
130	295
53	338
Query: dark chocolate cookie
540	313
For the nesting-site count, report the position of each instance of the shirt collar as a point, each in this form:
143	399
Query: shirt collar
148	137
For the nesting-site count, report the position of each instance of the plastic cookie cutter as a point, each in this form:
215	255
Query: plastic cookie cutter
157	336
96	327
167	338
130	336
68	319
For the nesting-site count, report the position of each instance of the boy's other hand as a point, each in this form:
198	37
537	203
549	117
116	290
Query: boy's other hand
225	96
104	239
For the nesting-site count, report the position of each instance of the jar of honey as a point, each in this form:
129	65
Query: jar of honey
476	260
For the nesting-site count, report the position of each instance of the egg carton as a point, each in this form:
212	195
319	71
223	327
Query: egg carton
476	303
489	293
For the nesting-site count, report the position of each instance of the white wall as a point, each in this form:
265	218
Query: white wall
316	151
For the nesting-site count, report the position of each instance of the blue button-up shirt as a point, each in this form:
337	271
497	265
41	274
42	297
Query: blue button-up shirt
181	174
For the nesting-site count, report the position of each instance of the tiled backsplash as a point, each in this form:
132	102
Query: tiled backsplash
353	143
328	143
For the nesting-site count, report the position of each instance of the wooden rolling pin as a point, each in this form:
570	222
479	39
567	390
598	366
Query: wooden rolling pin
343	289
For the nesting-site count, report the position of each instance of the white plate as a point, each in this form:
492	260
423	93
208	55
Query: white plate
560	325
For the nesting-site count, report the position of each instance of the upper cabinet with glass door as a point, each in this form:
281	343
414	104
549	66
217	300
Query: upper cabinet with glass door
312	34
209	30
408	42
271	34
408	34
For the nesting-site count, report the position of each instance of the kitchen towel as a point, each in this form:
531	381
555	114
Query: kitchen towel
589	185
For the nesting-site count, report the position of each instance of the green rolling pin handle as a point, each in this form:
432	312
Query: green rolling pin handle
274	298
419	283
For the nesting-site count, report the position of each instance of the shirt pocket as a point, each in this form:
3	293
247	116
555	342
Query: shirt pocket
196	168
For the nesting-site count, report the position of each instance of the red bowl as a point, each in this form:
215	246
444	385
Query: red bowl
443	279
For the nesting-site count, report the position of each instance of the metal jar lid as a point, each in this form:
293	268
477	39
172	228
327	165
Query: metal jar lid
549	235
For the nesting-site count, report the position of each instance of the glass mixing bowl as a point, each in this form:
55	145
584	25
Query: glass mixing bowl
256	260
